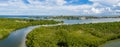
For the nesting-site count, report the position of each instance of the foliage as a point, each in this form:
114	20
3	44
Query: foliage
77	35
8	25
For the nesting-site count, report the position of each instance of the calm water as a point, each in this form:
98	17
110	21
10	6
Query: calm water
91	21
18	37
22	17
113	43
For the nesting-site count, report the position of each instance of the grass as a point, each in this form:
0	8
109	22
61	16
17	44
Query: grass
8	25
77	35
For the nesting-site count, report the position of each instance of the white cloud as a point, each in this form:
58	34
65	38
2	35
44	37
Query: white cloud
3	4
58	7
106	2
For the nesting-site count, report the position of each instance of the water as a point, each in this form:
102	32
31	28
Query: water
113	43
22	17
91	21
17	38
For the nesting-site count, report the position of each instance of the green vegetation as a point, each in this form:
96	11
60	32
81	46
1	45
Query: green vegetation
78	35
7	25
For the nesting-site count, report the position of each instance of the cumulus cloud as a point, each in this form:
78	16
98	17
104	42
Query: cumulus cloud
106	2
59	7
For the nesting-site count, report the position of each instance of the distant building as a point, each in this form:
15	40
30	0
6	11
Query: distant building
83	18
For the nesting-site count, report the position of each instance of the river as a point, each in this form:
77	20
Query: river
91	21
17	38
112	43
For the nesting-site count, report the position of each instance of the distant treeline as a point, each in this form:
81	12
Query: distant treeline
74	17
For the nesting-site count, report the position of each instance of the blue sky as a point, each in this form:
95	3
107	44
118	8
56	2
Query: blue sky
59	7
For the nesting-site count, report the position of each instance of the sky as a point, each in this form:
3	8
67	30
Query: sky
60	7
